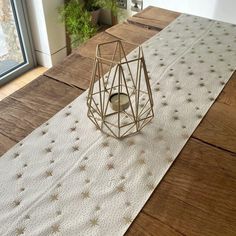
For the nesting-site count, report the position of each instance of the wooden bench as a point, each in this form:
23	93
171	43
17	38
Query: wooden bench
198	194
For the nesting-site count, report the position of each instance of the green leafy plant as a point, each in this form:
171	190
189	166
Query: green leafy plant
76	15
77	20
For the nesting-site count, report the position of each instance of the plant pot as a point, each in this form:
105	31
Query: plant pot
95	16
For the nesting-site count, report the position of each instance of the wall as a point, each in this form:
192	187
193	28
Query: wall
223	10
47	32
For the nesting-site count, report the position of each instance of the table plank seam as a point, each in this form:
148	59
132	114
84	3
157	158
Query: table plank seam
16	141
165	223
213	145
70	85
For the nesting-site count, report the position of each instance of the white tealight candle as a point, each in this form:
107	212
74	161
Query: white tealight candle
119	101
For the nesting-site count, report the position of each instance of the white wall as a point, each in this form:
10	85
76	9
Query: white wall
47	32
224	10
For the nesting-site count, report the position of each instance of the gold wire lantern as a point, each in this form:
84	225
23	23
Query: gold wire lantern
120	103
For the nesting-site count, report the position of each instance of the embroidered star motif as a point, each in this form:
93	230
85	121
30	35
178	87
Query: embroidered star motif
55	228
75	148
199	116
110	166
189	100
58	213
97	208
73	129
68	113
130	142
48	149
151	187
127	203
149	173
164	104
19	175
105	144
120	188
122	177
82	167
16	155
54	197
48	173
141	161
27	217
94	222
85	194
127	219
87	181
43	132
16	203
59	185
175	117
20	231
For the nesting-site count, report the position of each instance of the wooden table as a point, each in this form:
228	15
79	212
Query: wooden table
198	194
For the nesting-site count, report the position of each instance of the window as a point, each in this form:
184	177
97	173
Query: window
16	54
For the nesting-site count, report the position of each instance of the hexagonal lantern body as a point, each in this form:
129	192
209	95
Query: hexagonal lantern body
119	99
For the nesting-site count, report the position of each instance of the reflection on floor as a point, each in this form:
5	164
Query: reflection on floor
20	82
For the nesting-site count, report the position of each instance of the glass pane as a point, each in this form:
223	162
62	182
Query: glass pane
11	54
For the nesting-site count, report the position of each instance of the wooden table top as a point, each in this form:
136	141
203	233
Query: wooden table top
197	196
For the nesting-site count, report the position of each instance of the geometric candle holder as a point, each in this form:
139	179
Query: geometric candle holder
119	102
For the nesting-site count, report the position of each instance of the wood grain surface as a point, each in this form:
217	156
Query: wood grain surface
34	104
153	18
197	196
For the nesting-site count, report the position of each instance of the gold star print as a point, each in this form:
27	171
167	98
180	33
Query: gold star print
110	166
105	144
58	185
87	181
85	194
48	149
58	213
19	175
43	132
16	155
75	148
55	228
82	167
127	219
97	208
149	173
127	203
20	231
185	136
151	187
68	113
48	173
122	177
141	161
73	129
120	188
16	203
54	197
131	142
94	222
27	217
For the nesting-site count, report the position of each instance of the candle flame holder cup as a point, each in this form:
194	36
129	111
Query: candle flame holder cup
119	100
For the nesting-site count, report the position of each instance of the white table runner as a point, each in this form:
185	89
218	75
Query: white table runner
67	178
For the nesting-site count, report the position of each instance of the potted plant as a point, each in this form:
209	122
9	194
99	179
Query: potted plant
80	17
77	21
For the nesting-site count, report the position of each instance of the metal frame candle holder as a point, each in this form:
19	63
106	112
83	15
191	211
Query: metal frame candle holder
119	102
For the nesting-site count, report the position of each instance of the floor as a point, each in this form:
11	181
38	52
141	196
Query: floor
20	82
